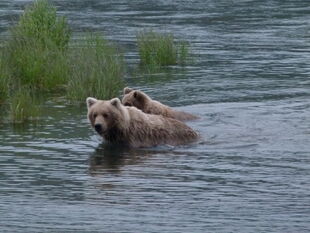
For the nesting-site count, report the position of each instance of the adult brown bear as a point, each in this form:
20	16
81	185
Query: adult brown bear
119	124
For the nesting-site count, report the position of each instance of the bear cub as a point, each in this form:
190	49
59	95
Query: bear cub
143	102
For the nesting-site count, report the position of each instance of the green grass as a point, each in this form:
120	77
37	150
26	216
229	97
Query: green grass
4	80
36	50
157	49
37	66
183	52
23	106
38	57
97	70
40	22
33	58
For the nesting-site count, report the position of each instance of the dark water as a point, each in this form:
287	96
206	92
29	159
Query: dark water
250	83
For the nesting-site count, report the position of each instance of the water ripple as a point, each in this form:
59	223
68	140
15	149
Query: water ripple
249	84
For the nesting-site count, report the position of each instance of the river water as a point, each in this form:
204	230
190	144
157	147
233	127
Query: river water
250	84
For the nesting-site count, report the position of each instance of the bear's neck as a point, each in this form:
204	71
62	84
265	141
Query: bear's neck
114	135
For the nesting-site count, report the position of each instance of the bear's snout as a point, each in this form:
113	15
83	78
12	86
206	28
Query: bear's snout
98	128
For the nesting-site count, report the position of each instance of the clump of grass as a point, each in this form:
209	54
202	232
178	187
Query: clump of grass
41	23
4	80
38	59
183	52
34	58
37	66
23	106
157	49
97	70
37	47
3	90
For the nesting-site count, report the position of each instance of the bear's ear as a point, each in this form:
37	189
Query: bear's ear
138	95
127	90
90	101
116	102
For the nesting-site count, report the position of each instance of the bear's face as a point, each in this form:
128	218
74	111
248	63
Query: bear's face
134	98
105	115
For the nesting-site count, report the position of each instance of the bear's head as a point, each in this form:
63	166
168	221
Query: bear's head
106	116
135	98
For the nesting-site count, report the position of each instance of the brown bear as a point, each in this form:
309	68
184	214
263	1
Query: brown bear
143	102
130	126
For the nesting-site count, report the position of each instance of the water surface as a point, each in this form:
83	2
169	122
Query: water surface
249	83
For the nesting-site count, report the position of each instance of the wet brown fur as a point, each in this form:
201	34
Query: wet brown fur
132	127
143	102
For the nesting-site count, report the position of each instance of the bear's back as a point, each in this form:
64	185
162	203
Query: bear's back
153	129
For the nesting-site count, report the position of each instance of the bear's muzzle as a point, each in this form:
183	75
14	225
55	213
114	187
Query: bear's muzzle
98	128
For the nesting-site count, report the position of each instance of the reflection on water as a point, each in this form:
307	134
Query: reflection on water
110	158
250	85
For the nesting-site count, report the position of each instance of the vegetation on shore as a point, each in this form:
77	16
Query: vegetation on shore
40	57
156	49
23	106
36	50
4	80
97	69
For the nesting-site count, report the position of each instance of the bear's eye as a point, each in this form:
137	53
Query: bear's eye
105	115
127	104
95	115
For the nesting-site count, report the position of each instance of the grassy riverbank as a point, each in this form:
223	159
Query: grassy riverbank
40	57
156	49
